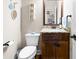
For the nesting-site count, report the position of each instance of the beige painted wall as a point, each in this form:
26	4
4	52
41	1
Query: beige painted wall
70	8
11	29
26	24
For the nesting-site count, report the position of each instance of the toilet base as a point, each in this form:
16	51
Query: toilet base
32	57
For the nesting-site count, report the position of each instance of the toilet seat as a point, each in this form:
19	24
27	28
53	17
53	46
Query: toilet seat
27	52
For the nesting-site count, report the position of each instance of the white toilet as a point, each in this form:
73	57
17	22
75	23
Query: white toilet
29	51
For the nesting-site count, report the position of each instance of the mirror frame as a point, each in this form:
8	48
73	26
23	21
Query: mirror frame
56	16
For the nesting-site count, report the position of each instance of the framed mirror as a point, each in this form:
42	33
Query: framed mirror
52	12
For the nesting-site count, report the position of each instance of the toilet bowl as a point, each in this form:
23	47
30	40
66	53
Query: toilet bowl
29	51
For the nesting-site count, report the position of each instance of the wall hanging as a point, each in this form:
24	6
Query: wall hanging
14	14
12	6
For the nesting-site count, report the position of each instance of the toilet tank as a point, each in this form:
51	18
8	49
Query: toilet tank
32	39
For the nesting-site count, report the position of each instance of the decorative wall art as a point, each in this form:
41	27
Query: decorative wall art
12	6
31	10
14	14
51	17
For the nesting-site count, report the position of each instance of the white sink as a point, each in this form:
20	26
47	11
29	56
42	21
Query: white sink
53	30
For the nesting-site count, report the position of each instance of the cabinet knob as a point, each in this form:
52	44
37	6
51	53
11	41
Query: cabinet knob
56	44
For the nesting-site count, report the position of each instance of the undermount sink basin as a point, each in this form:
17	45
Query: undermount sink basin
53	30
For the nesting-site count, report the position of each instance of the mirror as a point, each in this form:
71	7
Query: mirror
53	12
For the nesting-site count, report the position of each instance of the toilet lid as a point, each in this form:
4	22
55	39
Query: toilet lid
27	51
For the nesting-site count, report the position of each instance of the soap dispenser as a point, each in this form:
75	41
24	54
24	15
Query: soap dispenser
60	26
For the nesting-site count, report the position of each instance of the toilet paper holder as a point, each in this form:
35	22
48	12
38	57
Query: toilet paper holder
8	43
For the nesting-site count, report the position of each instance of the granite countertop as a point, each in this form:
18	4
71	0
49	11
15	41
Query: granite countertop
49	30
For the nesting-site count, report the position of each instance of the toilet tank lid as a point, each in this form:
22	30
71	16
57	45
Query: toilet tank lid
32	34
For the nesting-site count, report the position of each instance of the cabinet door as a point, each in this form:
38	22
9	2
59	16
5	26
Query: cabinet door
62	50
48	51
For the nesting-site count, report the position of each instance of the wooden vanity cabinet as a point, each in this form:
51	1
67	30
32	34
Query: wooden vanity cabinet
54	45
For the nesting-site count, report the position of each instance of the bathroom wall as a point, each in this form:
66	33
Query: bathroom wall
70	8
28	25
11	29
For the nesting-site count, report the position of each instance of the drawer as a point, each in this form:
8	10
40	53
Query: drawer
55	36
65	36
